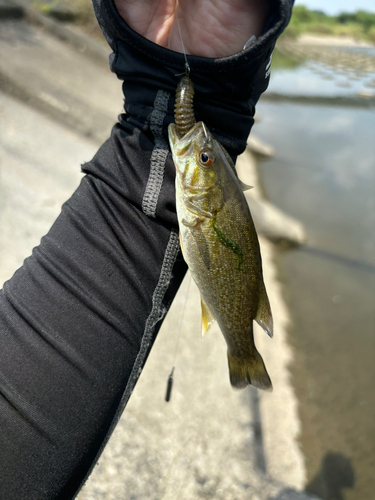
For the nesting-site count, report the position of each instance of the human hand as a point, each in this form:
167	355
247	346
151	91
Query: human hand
209	28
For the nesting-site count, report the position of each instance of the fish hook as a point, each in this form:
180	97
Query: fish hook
208	138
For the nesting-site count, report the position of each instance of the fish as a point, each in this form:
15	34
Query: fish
219	241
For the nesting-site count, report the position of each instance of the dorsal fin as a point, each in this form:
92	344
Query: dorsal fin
264	315
243	186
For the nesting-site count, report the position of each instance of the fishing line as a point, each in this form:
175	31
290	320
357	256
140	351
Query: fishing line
168	392
187	67
188	452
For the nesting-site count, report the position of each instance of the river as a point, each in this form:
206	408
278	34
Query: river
323	173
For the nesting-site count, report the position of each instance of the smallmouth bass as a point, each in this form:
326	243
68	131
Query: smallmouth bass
219	241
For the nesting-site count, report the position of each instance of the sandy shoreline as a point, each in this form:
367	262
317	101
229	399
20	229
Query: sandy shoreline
331	51
332	41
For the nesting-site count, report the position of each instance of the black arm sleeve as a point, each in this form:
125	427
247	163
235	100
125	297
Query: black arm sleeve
78	320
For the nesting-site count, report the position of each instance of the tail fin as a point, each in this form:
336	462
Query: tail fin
251	370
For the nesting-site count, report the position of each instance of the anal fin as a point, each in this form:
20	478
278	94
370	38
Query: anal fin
207	317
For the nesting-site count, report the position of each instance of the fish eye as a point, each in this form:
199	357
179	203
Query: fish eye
205	158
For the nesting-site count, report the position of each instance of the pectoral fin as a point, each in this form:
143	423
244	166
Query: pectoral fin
207	318
264	315
191	222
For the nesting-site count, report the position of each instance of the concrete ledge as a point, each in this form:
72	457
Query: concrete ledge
69	112
79	41
270	221
57	79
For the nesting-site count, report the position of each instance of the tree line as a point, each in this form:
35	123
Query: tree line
360	24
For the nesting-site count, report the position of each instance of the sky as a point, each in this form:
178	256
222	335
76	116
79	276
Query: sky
334	7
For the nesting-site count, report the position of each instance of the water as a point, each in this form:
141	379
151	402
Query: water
323	173
345	72
314	79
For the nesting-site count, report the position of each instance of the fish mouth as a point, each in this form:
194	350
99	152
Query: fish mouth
181	146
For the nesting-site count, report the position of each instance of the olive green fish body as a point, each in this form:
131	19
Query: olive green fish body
221	248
